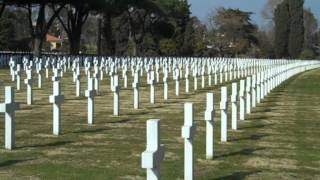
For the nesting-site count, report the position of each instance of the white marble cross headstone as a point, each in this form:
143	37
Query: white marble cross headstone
39	71
209	118
56	99
186	75
253	90
177	78
9	107
242	99
152	83
154	153
77	79
224	110
135	86
18	74
116	94
28	82
188	132
90	93
234	98
248	95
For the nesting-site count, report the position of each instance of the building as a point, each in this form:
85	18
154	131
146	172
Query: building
55	42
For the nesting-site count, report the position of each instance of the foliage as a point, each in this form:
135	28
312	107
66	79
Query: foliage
7	32
296	37
282	29
307	54
233	31
168	47
311	29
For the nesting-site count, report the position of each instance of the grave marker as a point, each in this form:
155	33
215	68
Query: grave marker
209	117
154	153
188	131
9	107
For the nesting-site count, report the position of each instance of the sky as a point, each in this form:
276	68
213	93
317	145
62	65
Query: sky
201	8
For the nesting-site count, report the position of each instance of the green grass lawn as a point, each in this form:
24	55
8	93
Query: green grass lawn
279	140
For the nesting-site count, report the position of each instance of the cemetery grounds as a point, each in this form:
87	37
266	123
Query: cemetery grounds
278	140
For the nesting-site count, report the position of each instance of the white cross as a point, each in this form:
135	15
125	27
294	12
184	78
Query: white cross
234	97
18	74
209	117
116	89
28	82
90	93
242	99
135	86
152	87
154	153
9	107
248	94
224	110
188	132
177	78
56	99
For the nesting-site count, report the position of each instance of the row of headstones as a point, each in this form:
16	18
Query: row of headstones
114	82
57	98
15	72
265	81
196	66
154	153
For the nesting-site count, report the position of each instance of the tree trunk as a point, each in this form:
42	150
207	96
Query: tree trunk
2	7
99	37
74	40
109	46
37	46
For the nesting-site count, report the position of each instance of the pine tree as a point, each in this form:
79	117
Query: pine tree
296	37
282	29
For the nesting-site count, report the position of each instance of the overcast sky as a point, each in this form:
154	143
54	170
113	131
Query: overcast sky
201	8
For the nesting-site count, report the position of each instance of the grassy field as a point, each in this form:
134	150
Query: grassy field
279	140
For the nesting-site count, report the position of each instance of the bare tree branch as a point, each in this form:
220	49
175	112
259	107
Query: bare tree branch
2	7
55	14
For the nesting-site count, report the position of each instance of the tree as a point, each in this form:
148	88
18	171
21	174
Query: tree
200	38
265	45
311	28
282	30
189	40
7	31
73	17
296	37
269	9
2	7
233	32
39	29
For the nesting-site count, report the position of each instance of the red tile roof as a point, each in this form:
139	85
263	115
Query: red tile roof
51	38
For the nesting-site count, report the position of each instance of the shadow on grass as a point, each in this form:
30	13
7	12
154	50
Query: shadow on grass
91	130
52	144
12	162
252	137
260	126
255	117
246	152
237	175
120	121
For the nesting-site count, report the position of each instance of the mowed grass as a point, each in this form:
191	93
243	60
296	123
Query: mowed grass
279	140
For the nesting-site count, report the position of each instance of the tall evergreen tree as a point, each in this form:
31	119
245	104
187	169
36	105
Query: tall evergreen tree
282	29
296	37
